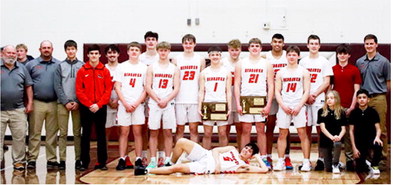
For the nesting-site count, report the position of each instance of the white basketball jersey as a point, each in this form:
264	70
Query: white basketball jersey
291	85
148	60
318	68
112	71
189	79
254	75
162	80
132	78
215	84
277	63
230	161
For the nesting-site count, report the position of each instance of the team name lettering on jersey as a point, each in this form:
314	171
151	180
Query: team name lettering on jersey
291	79
133	74
253	70
160	75
215	79
188	67
314	70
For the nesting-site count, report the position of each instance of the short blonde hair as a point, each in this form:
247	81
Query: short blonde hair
164	45
134	44
21	46
255	41
235	43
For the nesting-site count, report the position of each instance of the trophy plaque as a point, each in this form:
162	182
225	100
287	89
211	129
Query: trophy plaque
214	111
252	104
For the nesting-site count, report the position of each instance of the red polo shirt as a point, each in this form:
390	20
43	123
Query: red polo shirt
344	80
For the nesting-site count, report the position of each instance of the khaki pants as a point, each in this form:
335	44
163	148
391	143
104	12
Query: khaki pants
17	121
63	116
43	111
379	103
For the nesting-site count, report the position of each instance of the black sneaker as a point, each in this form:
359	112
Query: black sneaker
31	165
320	166
62	165
100	166
350	166
138	163
50	165
78	164
140	171
121	165
168	164
5	148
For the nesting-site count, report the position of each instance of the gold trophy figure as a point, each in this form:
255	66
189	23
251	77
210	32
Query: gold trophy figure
204	112
244	106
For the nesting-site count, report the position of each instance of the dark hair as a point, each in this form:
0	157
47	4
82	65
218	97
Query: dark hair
93	48
214	48
151	34
254	148
70	43
363	91
371	36
343	48
112	47
293	49
278	36
188	37
314	37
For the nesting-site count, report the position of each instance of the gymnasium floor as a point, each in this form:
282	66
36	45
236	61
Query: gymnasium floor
69	176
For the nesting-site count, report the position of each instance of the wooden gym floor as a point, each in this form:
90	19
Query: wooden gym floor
69	176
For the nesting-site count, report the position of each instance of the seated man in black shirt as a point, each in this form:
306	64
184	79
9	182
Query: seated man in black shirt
365	132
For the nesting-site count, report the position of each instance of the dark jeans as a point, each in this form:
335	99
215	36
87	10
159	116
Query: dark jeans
331	155
89	118
366	151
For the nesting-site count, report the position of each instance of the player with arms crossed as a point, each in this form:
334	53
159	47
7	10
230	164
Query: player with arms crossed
162	85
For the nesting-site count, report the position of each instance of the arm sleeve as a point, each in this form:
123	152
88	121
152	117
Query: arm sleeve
28	80
80	89
386	70
107	90
320	118
58	85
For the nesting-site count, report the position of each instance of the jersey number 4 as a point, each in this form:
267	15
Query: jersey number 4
132	82
253	78
291	87
189	75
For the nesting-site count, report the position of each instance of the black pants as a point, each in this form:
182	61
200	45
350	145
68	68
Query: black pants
89	118
366	151
331	155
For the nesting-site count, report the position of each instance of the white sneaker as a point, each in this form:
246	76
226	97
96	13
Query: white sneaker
306	166
336	169
280	165
375	170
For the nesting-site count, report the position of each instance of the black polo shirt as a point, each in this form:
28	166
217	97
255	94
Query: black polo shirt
364	122
13	83
332	124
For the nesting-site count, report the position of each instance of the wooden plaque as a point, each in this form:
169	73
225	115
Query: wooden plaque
252	104
214	111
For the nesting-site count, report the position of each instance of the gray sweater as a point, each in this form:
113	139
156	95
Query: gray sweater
65	77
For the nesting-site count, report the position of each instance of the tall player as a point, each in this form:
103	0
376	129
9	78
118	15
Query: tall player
162	85
148	57
190	65
254	76
215	86
130	81
292	89
234	50
277	57
320	72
